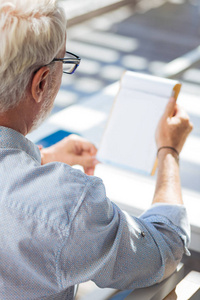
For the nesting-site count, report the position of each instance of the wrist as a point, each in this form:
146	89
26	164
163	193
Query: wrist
167	150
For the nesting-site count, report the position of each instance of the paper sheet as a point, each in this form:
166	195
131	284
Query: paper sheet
129	138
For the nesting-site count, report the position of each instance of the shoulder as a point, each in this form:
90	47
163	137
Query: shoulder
57	191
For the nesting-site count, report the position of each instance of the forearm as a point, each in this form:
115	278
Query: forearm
168	187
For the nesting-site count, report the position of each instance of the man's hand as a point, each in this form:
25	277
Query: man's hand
174	127
172	131
72	150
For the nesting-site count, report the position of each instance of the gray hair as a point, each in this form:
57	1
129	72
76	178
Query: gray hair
31	33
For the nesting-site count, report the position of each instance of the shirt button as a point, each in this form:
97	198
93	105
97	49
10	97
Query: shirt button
143	234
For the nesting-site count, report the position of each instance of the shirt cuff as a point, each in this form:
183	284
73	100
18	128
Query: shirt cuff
176	214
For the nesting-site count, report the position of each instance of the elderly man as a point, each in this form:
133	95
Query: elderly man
57	227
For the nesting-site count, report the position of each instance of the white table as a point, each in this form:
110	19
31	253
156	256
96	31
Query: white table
130	191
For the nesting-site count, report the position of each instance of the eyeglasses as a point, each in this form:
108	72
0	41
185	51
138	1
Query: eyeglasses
70	62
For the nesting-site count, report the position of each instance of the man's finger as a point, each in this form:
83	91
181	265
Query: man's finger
87	161
89	171
88	147
181	113
170	108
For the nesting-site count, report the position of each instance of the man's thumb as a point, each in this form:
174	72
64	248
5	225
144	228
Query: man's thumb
86	161
170	108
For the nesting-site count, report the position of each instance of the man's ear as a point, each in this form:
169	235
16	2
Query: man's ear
39	82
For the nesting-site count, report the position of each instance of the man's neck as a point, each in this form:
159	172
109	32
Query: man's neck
17	119
7	122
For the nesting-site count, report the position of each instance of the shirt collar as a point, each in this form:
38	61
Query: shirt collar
11	139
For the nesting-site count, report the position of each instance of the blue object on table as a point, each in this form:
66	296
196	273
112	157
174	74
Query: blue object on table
121	295
53	138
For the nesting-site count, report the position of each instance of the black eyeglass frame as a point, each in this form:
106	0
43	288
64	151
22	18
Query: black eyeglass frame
67	60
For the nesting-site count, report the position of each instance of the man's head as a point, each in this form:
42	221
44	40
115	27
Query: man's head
32	34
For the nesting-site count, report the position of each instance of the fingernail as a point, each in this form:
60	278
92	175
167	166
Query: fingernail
173	94
90	172
95	161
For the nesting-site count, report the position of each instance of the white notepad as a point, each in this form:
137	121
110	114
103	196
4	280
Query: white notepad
129	137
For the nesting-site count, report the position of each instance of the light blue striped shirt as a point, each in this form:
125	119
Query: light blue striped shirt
58	229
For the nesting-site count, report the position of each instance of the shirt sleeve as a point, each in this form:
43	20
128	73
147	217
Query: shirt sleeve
116	250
